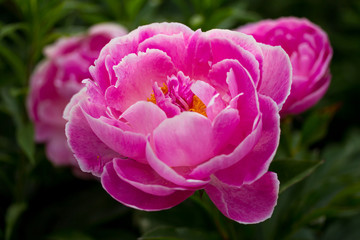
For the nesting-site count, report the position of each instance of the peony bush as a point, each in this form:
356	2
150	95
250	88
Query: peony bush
310	54
168	111
56	79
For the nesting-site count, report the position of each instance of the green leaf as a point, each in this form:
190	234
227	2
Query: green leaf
316	126
25	138
133	7
172	233
292	171
12	215
10	29
14	62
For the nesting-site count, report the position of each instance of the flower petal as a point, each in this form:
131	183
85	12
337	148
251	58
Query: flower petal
90	152
143	117
135	198
143	177
135	77
251	203
169	173
184	140
276	74
292	106
117	137
257	161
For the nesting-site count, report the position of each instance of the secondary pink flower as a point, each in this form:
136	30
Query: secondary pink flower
57	79
169	111
310	53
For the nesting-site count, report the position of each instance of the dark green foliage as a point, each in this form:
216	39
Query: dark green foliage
317	161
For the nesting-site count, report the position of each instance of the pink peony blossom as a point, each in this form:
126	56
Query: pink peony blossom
57	79
169	111
310	53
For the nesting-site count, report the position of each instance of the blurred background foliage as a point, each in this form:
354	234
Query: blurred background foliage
318	161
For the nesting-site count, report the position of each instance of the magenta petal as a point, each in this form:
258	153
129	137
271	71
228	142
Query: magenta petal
143	177
276	74
256	162
169	173
247	42
58	151
226	160
184	140
91	153
135	198
224	126
116	137
199	56
143	117
204	91
135	77
224	49
173	46
309	100
251	203
73	102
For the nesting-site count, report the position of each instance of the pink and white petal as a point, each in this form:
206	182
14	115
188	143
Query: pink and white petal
82	94
224	126
247	42
276	74
308	101
172	45
125	143
225	49
184	140
91	153
143	117
135	77
148	31
111	55
204	91
143	177
223	161
248	203
135	198
169	173
215	106
257	161
199	56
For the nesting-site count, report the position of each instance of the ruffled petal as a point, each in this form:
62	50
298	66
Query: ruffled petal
135	77
173	46
91	153
115	134
223	161
143	177
135	198
248	203
257	161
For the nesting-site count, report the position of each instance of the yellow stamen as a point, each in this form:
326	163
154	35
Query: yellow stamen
198	106
152	98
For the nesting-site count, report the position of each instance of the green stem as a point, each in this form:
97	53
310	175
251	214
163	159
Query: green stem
203	200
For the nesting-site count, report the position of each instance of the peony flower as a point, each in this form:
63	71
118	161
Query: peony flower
169	111
310	53
57	79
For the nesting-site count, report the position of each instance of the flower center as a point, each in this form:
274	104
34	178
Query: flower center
175	96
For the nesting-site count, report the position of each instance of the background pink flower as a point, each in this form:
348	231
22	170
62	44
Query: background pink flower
310	54
56	79
169	111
